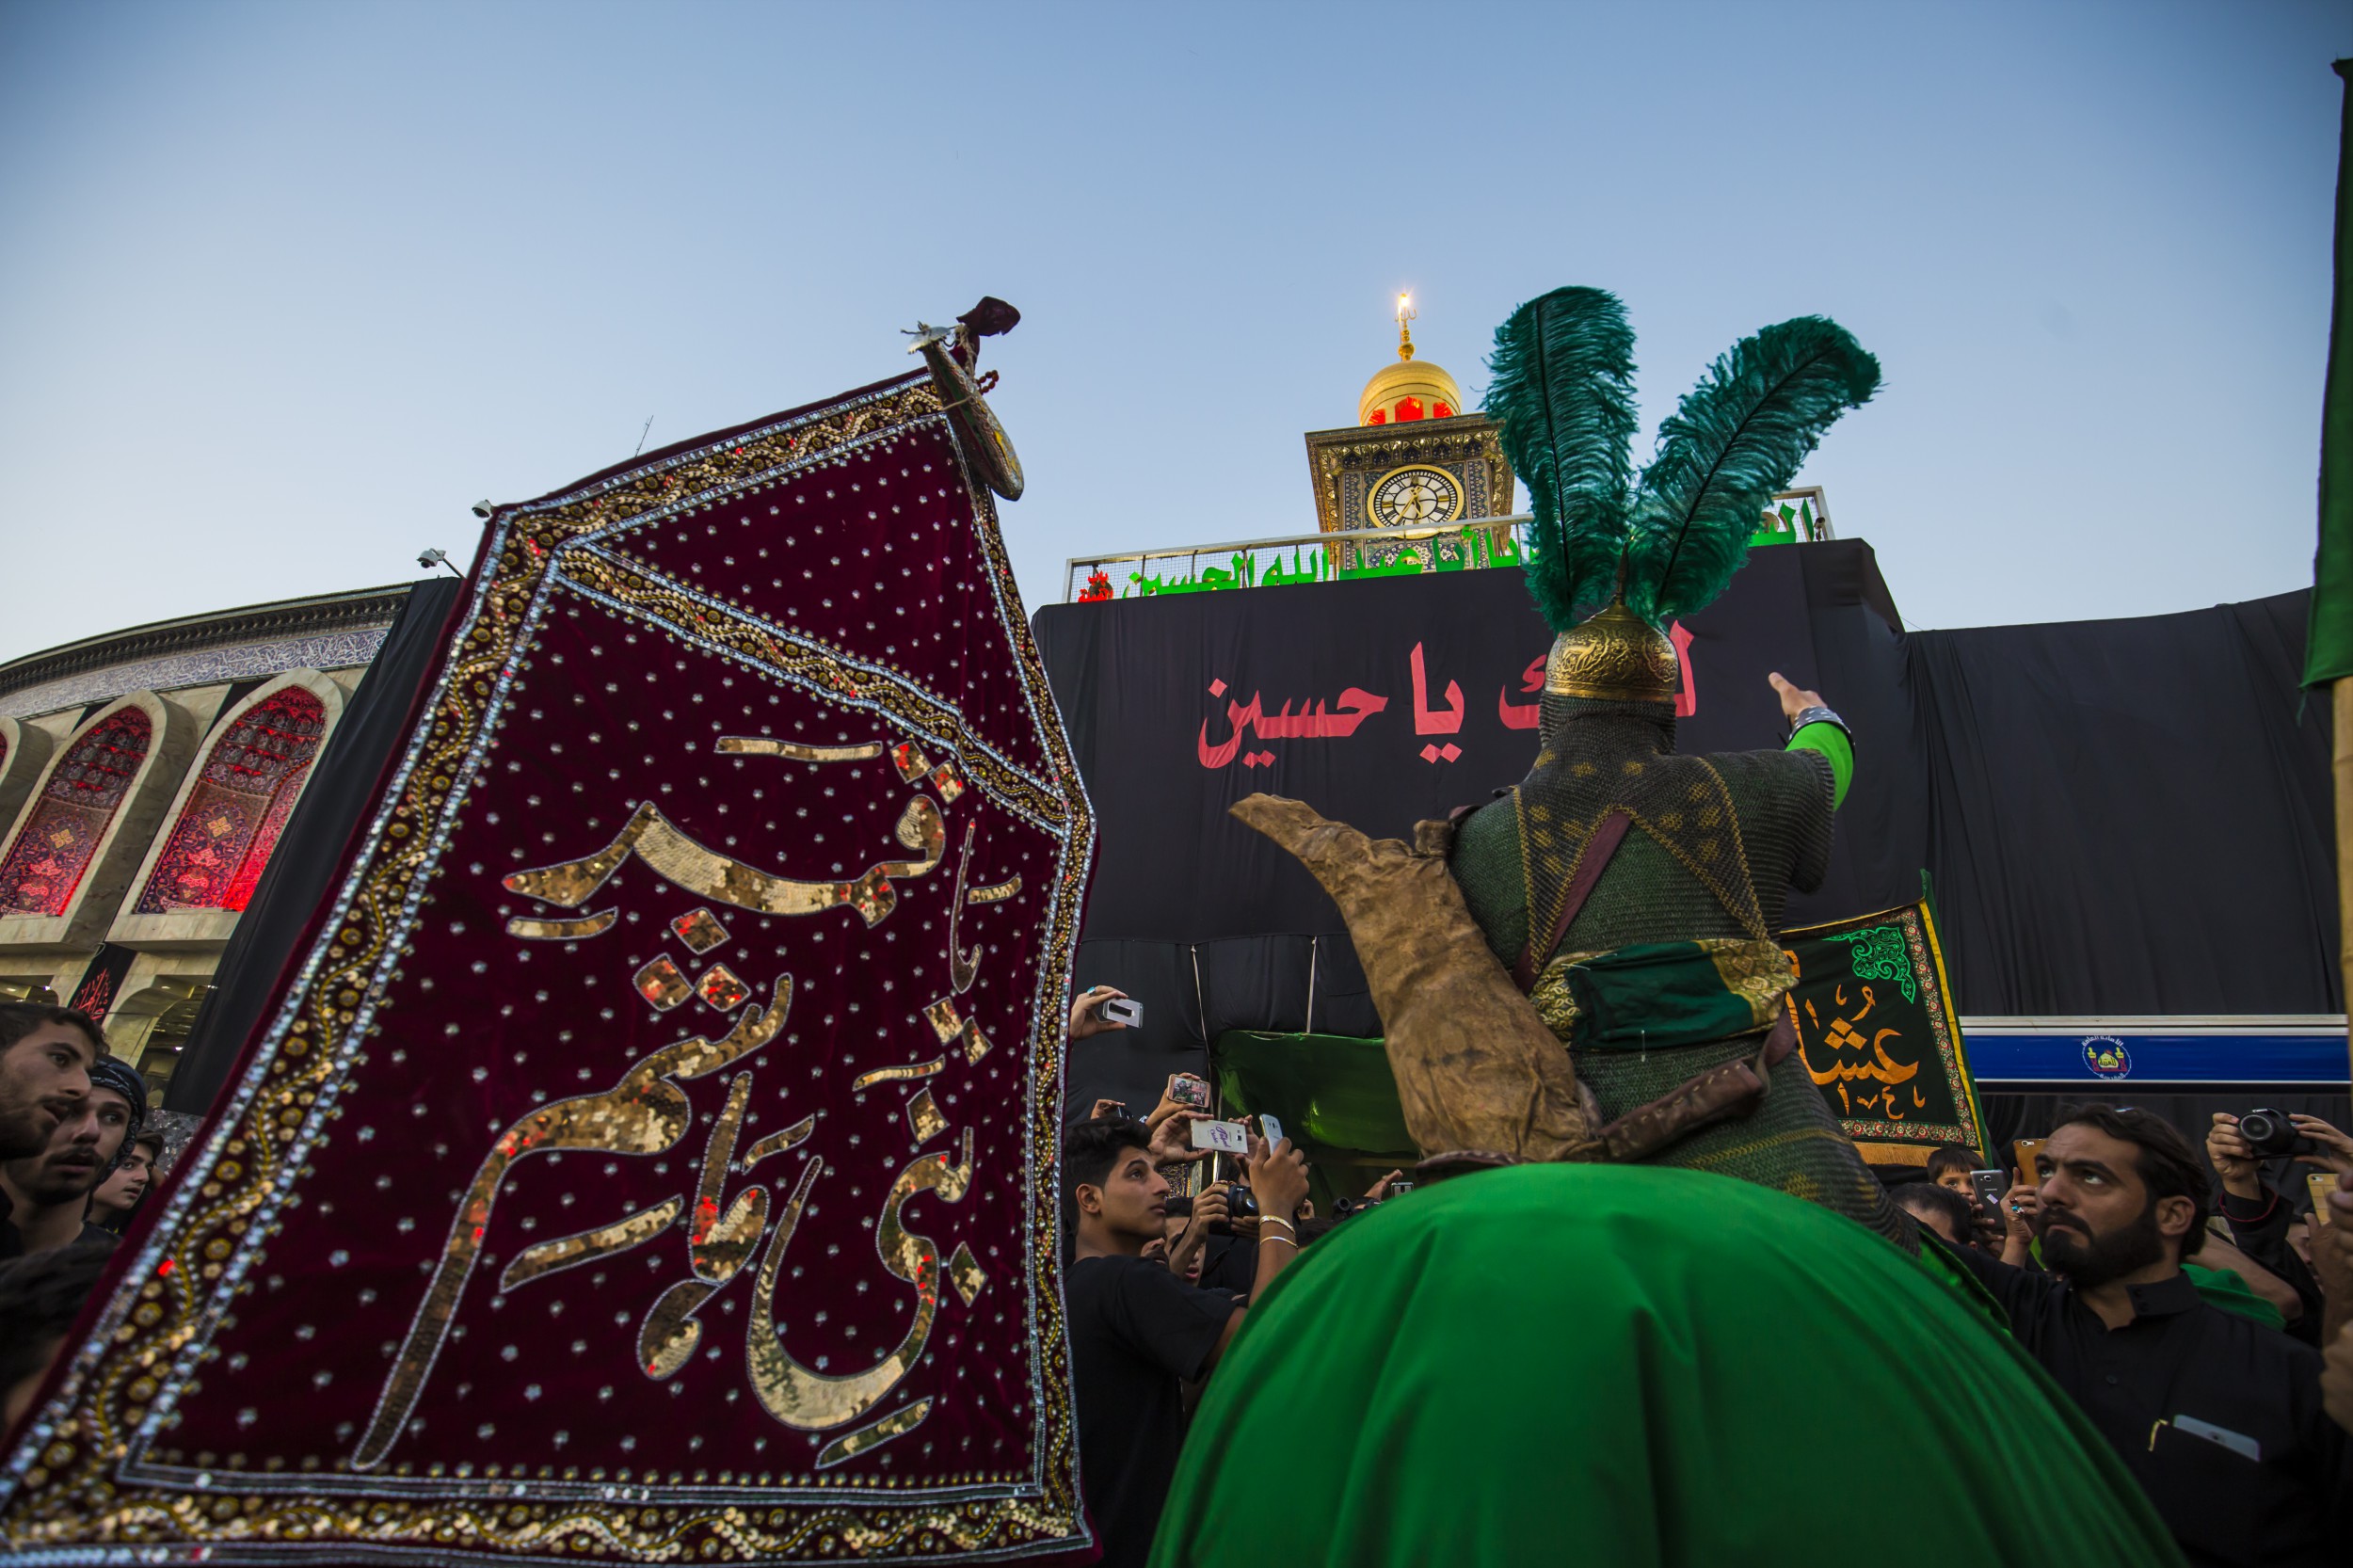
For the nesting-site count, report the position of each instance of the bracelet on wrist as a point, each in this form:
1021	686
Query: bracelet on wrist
1819	714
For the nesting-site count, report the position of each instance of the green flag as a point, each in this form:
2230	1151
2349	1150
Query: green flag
2328	640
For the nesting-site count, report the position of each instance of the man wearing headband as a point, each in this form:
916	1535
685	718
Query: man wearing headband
49	1193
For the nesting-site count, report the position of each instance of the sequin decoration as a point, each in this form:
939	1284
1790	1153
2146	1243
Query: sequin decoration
671	854
943	1017
996	892
965	1273
77	803
924	1122
719	987
909	760
663	984
898	1075
701	930
763	746
897	1424
563	931
945	779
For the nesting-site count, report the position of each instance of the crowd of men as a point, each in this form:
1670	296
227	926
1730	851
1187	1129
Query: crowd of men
2180	1312
2179	1302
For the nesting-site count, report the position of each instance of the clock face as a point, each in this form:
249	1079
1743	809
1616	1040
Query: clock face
1416	496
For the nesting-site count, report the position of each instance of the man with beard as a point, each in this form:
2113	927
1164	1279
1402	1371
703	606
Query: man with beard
45	1055
2220	1418
49	1193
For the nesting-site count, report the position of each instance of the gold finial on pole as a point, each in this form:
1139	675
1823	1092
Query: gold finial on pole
1405	313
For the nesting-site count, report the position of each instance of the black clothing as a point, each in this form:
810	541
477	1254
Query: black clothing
2179	1362
1231	1264
2260	1227
1136	1332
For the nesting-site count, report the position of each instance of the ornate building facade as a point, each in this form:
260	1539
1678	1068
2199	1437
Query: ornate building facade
145	778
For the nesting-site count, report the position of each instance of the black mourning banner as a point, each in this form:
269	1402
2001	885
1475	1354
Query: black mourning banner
1378	703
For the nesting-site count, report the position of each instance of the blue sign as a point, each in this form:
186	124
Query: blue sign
2154	1050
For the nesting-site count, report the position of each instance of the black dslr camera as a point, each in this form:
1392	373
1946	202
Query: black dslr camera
1240	1203
2270	1135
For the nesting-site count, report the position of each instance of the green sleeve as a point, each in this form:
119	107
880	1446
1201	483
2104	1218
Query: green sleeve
2227	1290
1833	743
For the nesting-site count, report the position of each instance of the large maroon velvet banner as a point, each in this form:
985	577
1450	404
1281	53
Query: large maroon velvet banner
652	1155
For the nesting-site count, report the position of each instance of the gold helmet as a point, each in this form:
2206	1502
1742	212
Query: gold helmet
1615	656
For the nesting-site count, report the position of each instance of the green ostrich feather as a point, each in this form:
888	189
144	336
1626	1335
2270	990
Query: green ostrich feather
1563	391
1737	437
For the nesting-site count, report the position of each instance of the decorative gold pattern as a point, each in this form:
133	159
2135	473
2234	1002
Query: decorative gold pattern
663	984
563	931
809	1399
965	1273
776	1142
996	892
945	1020
589	1245
1615	656
763	746
898	1075
897	1424
699	930
679	859
69	1486
643	1113
1756	972
924	1121
719	988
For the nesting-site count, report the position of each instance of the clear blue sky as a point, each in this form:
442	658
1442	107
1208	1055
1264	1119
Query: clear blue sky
285	287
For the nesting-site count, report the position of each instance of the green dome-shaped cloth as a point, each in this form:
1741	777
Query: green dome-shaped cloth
1609	1365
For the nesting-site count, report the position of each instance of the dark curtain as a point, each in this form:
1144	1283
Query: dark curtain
300	872
2129	816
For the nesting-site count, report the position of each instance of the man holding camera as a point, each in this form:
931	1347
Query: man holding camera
1138	1331
2220	1418
2259	1214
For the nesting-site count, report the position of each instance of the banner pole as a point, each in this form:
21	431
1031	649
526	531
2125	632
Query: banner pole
2342	752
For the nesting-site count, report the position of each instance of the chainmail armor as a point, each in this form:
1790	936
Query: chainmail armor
1720	840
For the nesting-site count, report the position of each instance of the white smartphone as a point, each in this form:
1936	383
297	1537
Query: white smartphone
1274	1128
1224	1137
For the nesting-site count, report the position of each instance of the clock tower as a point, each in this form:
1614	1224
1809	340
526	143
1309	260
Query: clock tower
1414	457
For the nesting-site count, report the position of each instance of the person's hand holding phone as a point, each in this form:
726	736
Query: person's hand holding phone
1278	1176
1083	1019
2019	1207
1379	1190
1183	1092
1172	1140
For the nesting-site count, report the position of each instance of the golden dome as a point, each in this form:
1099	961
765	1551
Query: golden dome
1408	390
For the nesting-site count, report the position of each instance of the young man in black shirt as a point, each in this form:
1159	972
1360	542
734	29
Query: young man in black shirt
1137	1331
2218	1418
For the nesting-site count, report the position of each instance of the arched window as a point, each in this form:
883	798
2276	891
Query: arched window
74	808
237	806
